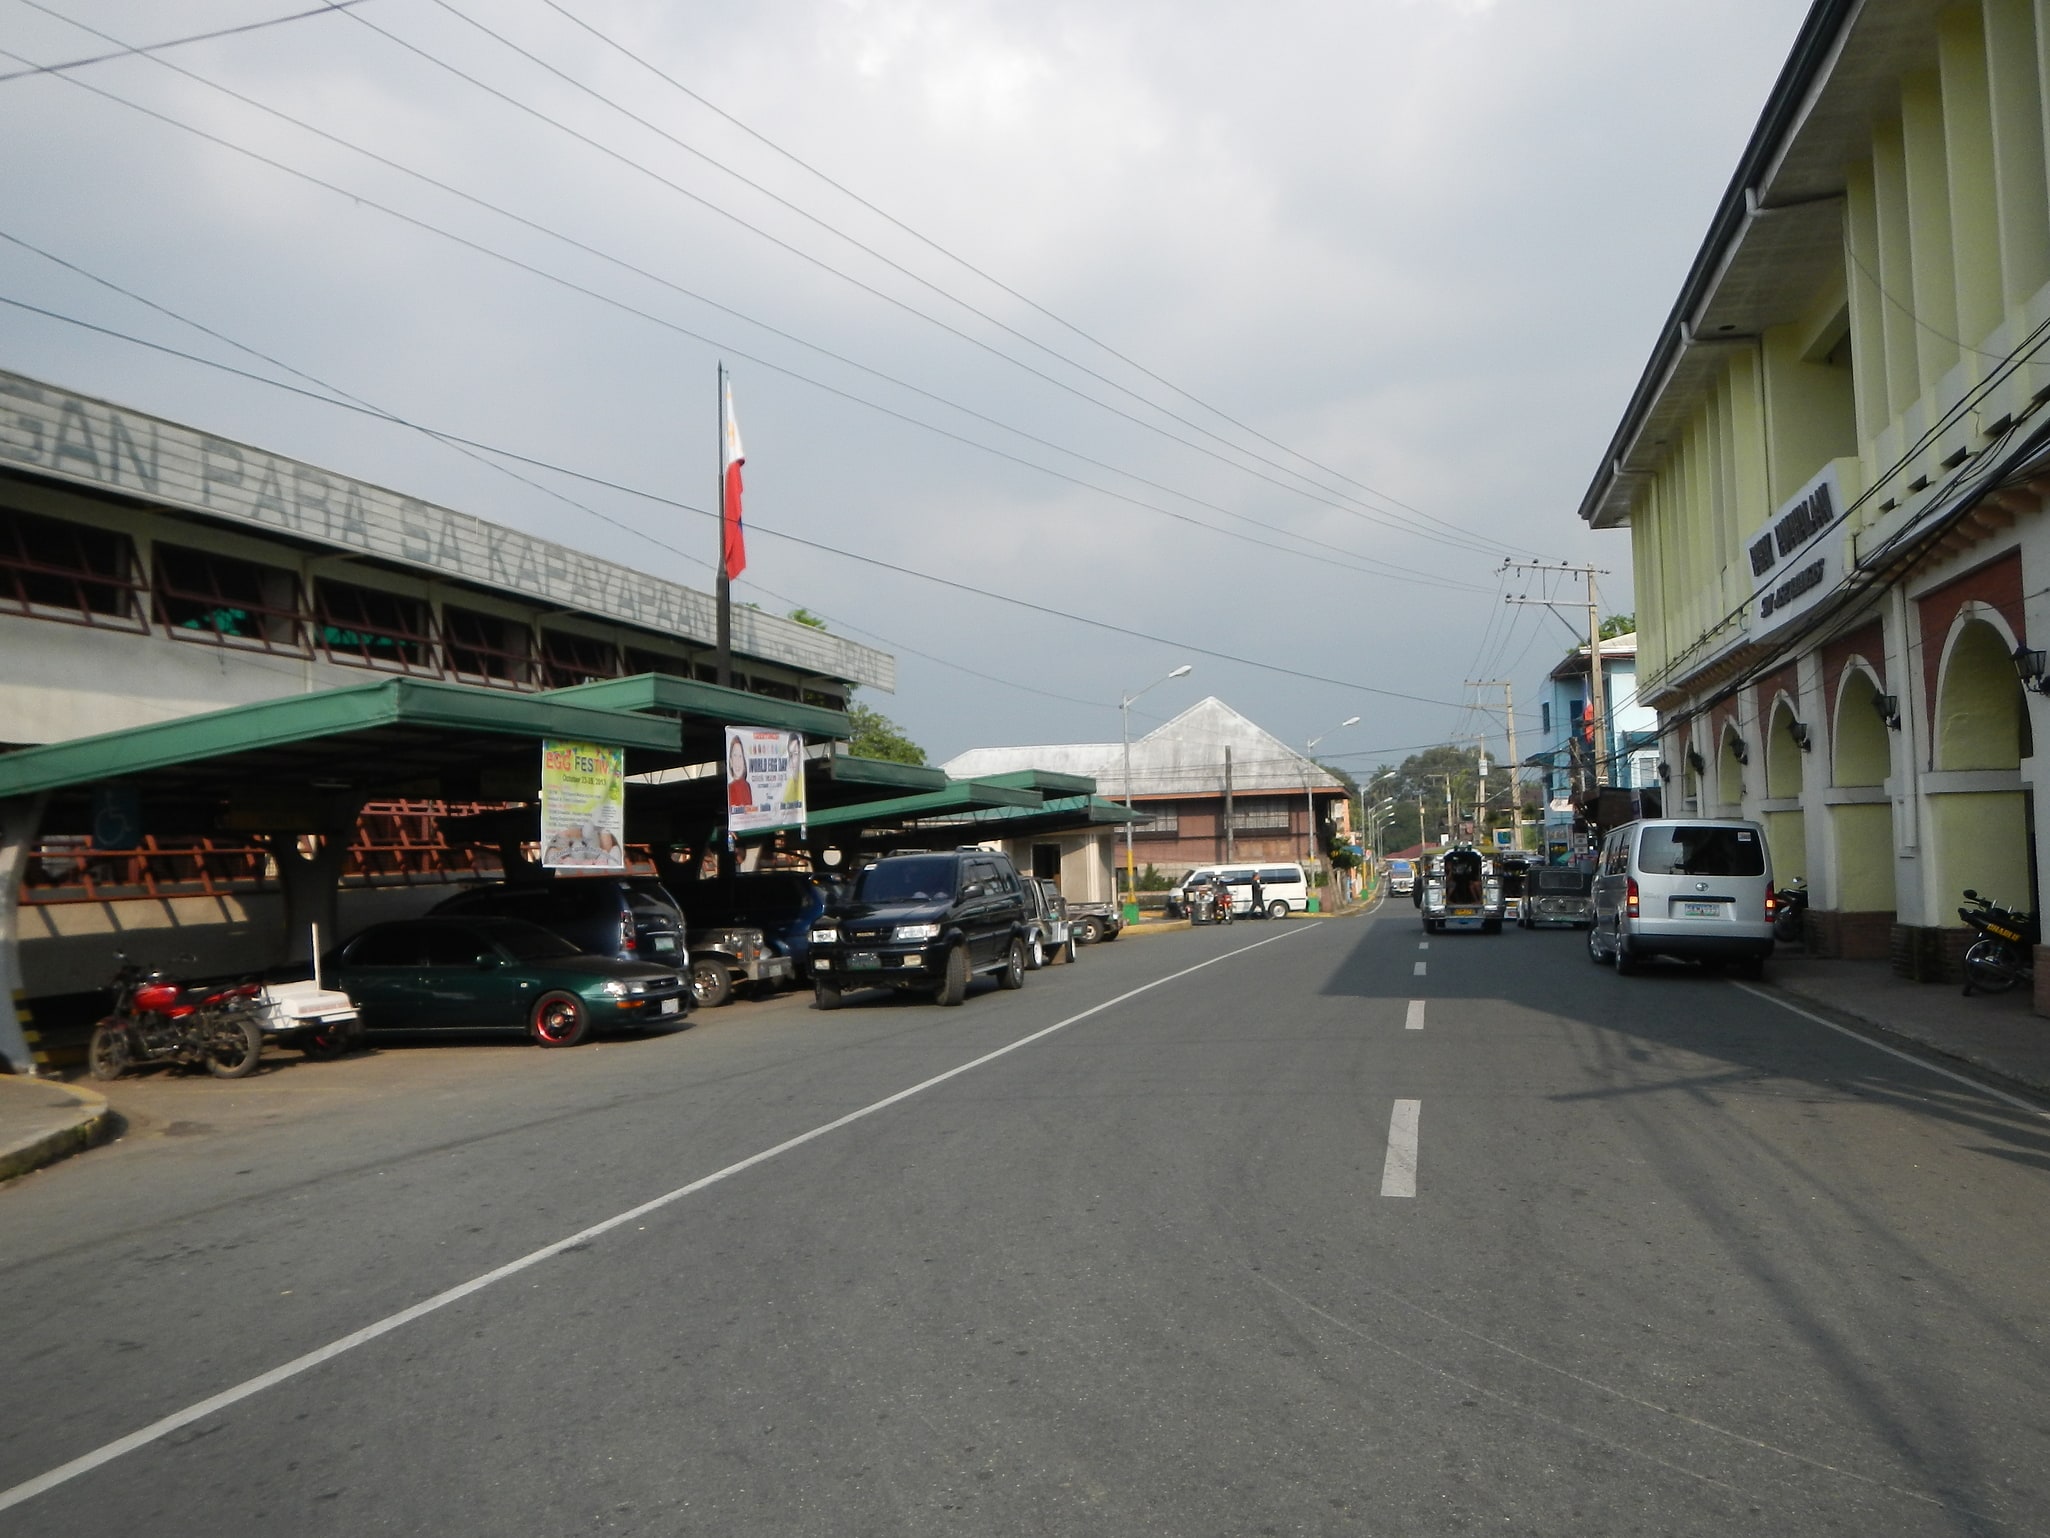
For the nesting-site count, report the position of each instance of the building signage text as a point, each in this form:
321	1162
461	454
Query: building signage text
1796	558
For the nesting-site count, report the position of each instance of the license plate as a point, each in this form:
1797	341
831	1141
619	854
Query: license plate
1703	910
664	945
1465	913
862	961
669	1006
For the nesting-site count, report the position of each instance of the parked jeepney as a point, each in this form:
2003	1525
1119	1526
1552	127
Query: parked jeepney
1462	889
1558	894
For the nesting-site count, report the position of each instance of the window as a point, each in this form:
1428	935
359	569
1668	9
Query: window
1261	817
203	595
397	946
642	661
574	659
450	945
1159	822
487	648
366	627
68	571
1704	851
1545	717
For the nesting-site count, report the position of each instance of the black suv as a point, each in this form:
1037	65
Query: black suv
629	918
924	923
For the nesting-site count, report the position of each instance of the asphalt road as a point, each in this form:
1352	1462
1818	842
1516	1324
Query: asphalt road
1676	1260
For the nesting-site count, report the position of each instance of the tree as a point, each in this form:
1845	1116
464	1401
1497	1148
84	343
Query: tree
1618	624
877	736
804	616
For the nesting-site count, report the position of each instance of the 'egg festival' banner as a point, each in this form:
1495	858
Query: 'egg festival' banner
764	779
583	806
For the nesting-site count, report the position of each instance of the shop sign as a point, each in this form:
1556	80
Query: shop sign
764	779
583	806
1797	557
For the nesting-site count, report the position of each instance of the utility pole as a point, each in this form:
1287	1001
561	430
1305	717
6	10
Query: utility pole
1480	807
1515	764
1230	843
1597	707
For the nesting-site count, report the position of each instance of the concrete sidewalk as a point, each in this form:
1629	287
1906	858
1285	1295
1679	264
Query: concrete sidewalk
43	1120
1999	1033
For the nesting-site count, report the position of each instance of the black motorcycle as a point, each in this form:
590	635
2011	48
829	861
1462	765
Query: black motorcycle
2004	954
1789	903
158	1021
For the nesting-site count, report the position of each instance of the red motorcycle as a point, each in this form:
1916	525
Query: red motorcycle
158	1021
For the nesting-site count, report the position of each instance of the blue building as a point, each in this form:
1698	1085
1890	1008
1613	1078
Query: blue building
1576	757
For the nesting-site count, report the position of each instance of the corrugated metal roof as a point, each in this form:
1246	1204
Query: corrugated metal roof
1184	756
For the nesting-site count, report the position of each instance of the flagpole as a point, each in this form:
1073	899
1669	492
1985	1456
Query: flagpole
725	588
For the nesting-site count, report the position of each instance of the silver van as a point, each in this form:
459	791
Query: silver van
1696	888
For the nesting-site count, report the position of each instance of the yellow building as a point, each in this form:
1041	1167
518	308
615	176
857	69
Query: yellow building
1834	471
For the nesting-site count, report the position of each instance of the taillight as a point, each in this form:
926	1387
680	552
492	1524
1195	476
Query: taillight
628	940
1630	896
1772	904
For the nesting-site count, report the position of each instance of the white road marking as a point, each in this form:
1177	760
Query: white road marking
1906	1057
1423	945
1419	970
1398	1175
1414	1021
156	1430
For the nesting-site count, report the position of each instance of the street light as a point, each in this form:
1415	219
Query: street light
1125	730
1309	796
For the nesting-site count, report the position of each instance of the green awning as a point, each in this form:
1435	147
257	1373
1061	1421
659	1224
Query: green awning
395	730
958	796
688	699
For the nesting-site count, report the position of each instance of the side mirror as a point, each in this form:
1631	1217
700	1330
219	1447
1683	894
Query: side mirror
1971	895
972	889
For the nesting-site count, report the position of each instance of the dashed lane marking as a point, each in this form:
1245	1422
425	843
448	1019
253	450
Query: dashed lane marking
1398	1175
1414	1021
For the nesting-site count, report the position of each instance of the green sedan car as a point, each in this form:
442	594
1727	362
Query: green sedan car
461	974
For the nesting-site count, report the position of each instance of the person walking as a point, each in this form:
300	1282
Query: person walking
1259	902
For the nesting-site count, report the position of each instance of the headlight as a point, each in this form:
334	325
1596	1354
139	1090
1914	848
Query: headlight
613	988
825	937
915	932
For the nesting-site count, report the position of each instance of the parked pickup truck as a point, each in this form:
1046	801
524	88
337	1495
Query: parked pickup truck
1095	921
733	956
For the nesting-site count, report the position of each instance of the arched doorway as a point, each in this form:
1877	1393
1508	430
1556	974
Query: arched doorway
1861	818
1729	773
1786	828
1981	831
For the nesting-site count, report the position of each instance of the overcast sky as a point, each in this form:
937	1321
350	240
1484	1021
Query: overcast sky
1367	281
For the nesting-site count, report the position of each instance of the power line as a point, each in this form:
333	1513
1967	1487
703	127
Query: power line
985	276
1375	566
676	505
127	52
1374	516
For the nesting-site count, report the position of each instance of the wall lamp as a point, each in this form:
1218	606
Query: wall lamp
1696	762
1739	750
1803	738
1889	708
1665	772
2029	667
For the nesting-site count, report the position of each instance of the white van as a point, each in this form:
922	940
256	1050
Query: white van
1283	888
1697	888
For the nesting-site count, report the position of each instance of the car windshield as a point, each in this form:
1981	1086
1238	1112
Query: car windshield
1701	851
919	878
530	942
1571	881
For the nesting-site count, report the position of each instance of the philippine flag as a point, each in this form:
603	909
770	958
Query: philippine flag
732	542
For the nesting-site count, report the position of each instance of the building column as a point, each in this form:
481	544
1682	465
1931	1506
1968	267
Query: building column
21	818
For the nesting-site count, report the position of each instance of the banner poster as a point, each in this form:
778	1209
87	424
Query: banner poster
583	806
764	779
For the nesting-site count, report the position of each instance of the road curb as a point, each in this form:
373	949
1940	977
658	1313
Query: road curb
1934	1043
92	1122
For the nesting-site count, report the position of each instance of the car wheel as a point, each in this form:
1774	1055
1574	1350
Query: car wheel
825	996
324	1043
710	984
1035	958
559	1020
954	985
1594	946
108	1054
1092	931
1068	951
1013	974
1624	959
1277	909
1112	931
